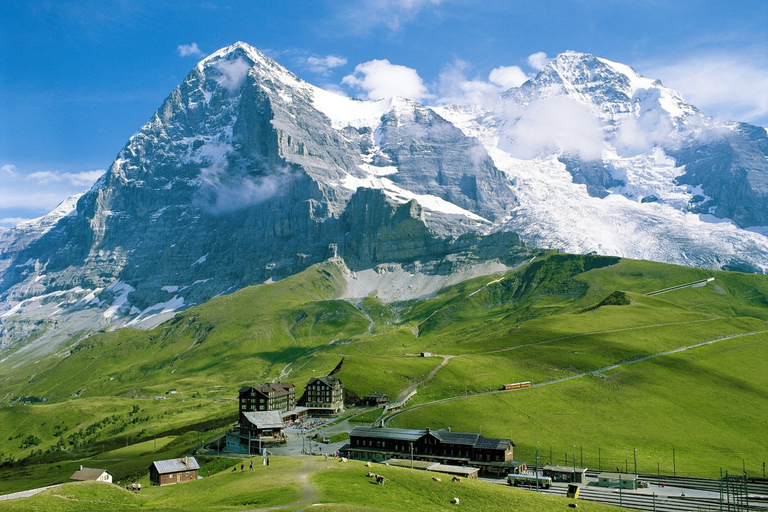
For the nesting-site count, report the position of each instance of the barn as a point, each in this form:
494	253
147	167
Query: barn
173	471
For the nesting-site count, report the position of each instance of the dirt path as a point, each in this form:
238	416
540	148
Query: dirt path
308	495
25	494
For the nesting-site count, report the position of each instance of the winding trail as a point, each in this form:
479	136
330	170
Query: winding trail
26	494
308	493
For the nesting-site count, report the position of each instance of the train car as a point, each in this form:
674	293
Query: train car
517	385
529	481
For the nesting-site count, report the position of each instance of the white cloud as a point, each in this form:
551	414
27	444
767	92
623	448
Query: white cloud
25	195
226	190
726	86
80	179
9	222
323	65
364	15
538	60
455	88
378	79
187	50
508	76
233	73
549	125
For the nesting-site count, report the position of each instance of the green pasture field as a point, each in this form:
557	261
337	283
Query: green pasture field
541	322
708	404
297	483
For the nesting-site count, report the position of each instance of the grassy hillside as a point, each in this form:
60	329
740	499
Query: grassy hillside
561	316
296	484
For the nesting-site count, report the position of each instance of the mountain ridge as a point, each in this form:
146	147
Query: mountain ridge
247	174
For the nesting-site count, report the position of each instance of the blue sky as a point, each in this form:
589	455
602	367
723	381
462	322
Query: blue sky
79	77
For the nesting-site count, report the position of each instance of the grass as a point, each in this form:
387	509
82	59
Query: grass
296	483
708	404
545	321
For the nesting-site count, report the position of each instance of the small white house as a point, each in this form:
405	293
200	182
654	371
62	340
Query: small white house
91	474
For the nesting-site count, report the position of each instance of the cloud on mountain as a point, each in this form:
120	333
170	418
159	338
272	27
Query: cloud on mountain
727	86
227	188
232	73
36	193
538	60
549	125
378	79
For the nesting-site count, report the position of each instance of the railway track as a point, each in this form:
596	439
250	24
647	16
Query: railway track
651	502
655	503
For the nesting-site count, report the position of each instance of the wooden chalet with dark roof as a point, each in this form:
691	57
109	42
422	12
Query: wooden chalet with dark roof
324	396
173	471
274	396
491	455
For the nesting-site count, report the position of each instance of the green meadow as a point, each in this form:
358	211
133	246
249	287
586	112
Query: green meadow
678	373
299	483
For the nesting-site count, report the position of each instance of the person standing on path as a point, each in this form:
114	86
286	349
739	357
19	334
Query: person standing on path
251	465
241	466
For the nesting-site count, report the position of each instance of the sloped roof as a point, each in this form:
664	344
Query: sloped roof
175	465
399	434
328	381
453	470
265	419
88	474
280	388
492	443
450	437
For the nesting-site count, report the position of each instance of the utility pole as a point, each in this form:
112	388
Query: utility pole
599	463
635	460
411	443
674	465
537	469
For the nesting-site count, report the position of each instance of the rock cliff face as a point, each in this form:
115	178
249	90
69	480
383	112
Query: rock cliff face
246	174
237	179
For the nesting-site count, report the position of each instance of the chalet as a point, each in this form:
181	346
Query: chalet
255	430
324	396
374	400
90	474
276	396
173	471
492	456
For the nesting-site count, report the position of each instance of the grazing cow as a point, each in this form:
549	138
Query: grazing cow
343	459
380	479
368	464
573	505
455	501
436	479
370	474
456	479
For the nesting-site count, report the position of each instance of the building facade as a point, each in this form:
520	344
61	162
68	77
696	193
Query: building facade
277	396
324	396
173	471
492	456
256	430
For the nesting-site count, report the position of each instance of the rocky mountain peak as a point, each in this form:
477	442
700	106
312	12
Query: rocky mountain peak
247	174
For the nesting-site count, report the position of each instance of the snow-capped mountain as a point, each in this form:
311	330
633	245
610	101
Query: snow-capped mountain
247	173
